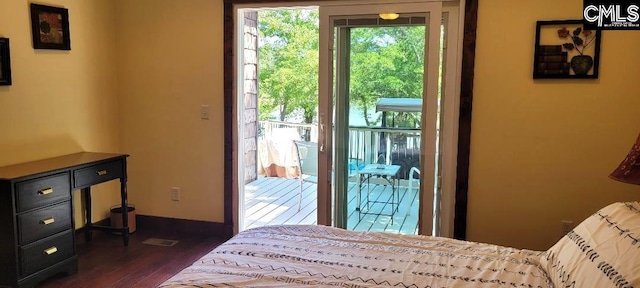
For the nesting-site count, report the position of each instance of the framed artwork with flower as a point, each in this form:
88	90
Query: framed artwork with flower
50	27
564	49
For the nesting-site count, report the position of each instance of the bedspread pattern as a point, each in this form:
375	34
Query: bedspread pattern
325	256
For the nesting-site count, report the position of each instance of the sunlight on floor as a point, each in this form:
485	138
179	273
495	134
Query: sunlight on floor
275	202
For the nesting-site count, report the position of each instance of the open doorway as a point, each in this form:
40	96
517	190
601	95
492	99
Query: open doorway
271	194
280	82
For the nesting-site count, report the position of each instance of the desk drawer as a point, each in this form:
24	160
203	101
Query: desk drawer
42	191
97	173
45	253
44	222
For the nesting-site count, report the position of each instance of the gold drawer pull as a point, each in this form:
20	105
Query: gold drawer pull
50	250
102	172
45	191
47	221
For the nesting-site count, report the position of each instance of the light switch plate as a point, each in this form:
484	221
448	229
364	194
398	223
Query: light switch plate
175	193
204	112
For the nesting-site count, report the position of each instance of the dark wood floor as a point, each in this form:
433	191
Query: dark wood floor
106	262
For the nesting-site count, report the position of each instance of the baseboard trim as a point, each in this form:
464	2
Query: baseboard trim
200	228
194	227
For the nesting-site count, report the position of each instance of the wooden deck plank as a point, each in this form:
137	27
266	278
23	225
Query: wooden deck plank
269	188
376	193
285	217
309	207
401	214
352	213
272	206
274	192
259	186
404	211
274	201
410	221
273	189
308	192
311	219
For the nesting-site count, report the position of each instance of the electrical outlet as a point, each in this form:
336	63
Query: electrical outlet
204	112
175	193
567	226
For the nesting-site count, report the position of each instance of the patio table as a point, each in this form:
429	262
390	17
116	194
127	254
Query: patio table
390	174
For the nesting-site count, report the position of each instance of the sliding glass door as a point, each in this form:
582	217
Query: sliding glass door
378	116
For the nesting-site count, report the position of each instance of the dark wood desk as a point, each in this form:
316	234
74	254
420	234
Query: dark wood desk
36	213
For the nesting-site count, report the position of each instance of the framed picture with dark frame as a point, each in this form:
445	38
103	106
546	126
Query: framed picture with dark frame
564	49
50	27
5	62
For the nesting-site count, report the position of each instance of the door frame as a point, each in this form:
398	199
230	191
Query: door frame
466	60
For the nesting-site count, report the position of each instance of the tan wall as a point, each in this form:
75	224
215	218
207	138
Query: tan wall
541	150
170	60
61	102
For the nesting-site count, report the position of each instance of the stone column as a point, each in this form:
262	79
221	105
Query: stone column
251	96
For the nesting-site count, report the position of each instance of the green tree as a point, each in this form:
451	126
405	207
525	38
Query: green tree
386	62
288	68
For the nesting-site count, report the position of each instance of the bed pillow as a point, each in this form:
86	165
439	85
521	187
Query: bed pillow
602	251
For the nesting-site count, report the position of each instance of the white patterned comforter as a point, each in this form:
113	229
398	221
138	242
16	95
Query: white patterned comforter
325	256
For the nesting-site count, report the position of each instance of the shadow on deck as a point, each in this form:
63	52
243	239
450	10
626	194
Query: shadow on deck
274	201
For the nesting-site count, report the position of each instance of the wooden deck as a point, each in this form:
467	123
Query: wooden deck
274	201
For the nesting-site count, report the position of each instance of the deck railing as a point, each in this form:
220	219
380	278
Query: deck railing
306	131
398	146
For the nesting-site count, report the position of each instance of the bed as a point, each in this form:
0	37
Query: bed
602	251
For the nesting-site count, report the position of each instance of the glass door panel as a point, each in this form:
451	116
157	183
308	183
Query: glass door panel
374	92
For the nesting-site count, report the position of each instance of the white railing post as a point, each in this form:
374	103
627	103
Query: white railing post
267	130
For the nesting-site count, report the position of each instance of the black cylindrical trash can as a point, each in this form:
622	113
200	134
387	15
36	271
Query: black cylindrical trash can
116	217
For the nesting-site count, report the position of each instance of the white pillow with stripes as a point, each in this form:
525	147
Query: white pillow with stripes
602	251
